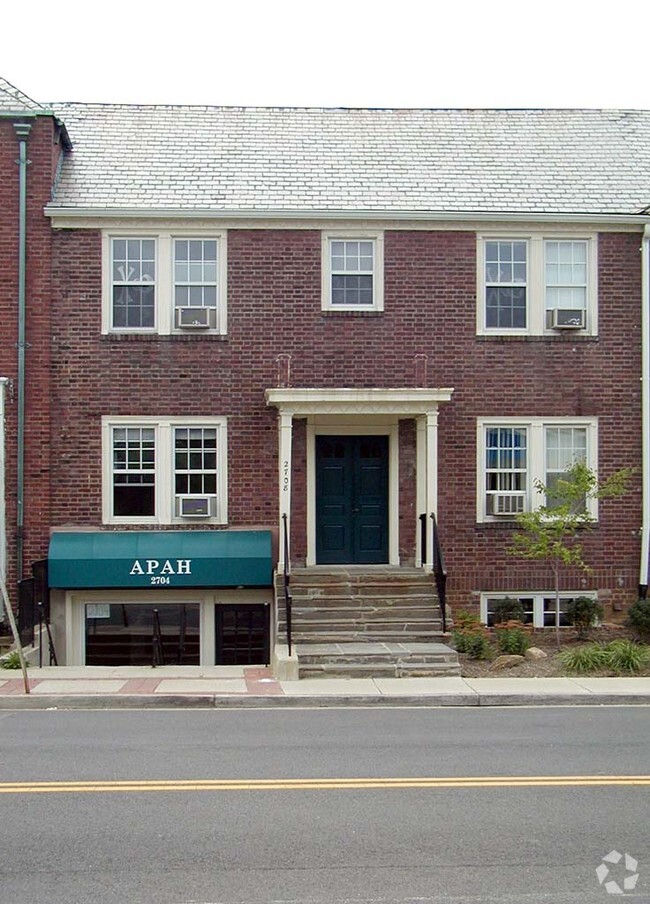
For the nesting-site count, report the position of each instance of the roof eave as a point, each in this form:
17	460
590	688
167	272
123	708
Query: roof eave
54	211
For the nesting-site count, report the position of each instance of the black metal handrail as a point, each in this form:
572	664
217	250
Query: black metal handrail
157	652
286	577
440	572
44	622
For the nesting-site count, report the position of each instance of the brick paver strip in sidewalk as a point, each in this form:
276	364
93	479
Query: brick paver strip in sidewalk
140	686
261	682
15	686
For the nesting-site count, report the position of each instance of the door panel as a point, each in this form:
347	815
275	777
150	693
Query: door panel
351	499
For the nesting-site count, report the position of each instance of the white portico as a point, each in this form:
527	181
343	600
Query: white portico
358	426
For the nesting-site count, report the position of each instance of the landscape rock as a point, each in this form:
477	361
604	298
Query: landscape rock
532	654
508	661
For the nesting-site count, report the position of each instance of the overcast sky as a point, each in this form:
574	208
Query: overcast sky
495	53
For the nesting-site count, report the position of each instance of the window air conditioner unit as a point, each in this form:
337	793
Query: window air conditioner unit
567	319
507	504
193	318
194	506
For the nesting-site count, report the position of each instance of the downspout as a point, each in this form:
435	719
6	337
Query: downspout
645	410
22	131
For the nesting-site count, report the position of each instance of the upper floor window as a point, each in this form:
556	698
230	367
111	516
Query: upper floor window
533	284
164	284
353	273
195	282
133	280
515	455
159	471
506	270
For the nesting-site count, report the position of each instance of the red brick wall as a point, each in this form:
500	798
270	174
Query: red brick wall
274	308
42	151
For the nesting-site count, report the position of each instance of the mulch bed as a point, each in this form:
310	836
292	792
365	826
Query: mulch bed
544	638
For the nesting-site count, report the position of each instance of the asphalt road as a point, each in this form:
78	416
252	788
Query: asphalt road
498	806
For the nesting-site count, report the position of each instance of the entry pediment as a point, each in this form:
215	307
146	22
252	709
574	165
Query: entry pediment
411	402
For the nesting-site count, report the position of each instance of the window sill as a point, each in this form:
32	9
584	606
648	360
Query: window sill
347	312
166	337
562	338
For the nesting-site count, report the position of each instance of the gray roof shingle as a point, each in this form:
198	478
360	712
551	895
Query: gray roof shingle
221	159
12	100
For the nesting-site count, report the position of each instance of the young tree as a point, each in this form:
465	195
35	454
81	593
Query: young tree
550	532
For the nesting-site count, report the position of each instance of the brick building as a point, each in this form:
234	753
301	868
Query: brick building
338	321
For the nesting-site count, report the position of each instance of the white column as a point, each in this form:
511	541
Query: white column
285	433
432	479
420	483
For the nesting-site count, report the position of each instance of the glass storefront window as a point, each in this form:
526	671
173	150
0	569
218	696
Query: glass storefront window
139	634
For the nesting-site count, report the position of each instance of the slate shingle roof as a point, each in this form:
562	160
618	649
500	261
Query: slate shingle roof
216	159
12	100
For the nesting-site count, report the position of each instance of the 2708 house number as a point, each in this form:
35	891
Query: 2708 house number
161	572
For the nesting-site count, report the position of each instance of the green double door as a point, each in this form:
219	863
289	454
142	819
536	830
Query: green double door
351	500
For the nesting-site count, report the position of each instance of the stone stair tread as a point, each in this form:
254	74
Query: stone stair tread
384	670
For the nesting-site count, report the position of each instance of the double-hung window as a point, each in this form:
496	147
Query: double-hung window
133	485
516	455
163	471
353	273
195	282
506	270
535	284
133	297
164	283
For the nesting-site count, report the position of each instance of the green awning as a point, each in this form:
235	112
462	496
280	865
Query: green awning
130	559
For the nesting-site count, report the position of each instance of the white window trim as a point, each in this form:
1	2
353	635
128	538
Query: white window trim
164	320
536	462
536	282
538	598
374	236
164	471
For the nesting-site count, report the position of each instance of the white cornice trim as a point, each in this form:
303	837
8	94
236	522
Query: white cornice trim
407	402
68	214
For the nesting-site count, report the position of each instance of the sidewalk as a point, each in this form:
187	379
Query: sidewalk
243	686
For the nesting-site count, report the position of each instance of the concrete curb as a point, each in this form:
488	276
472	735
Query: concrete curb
216	701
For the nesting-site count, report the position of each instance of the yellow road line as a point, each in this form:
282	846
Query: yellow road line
322	784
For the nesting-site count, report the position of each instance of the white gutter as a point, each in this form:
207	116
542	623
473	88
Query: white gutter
369	214
645	410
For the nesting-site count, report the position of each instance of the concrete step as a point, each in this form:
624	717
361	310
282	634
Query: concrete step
310	615
385	670
372	659
365	637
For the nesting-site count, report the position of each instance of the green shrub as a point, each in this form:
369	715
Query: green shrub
512	638
587	658
639	618
10	661
583	612
474	640
506	610
625	656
